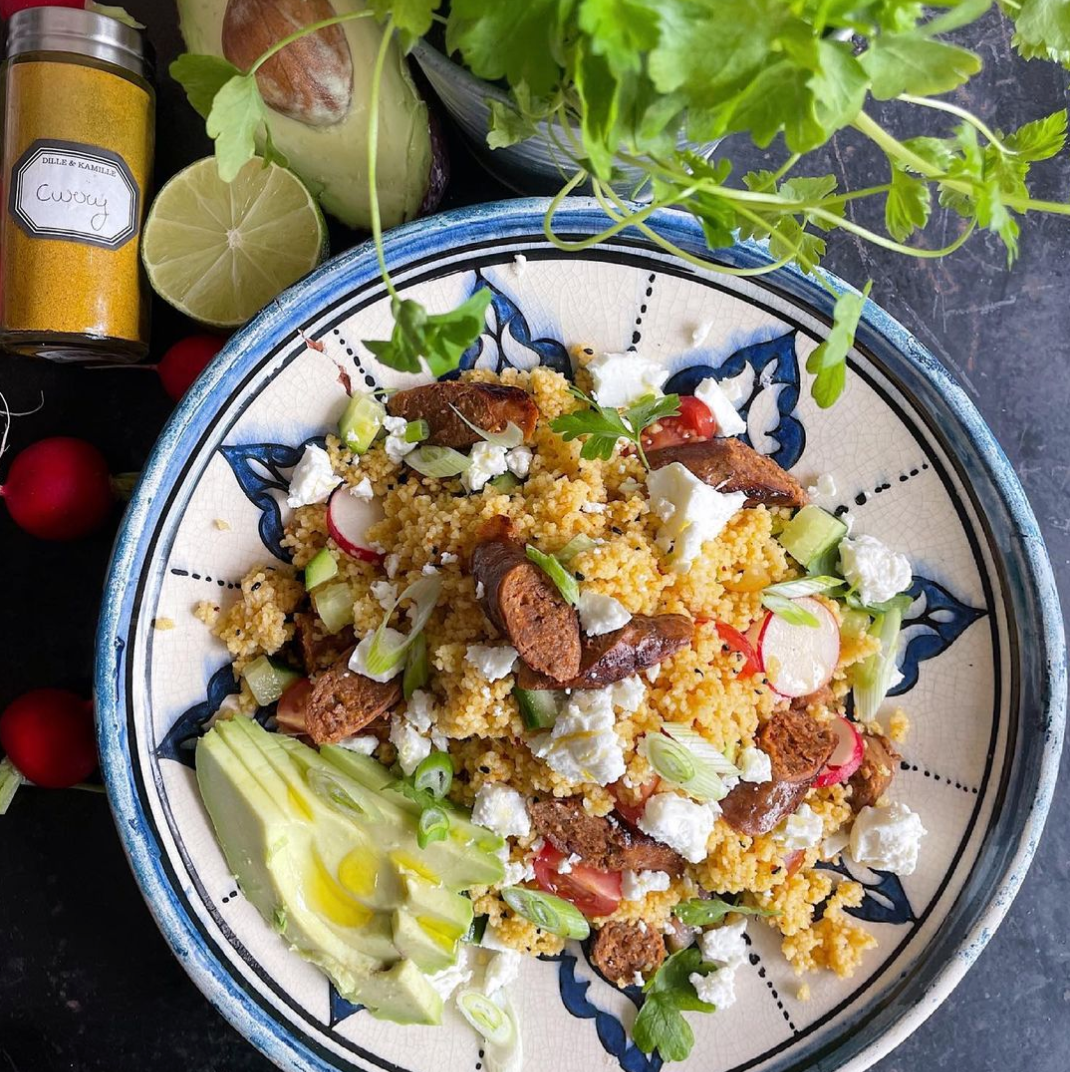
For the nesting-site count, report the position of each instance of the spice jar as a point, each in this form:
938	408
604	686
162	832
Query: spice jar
78	118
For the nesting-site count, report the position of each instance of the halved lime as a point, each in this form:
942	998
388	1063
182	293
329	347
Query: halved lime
219	251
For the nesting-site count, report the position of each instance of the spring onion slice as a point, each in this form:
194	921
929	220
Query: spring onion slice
566	584
787	609
874	677
578	545
417	667
434	774
487	1017
433	825
804	586
417	431
383	655
702	749
681	766
511	437
438	462
552	914
10	780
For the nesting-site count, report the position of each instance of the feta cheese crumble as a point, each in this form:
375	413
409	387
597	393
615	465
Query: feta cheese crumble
518	461
312	479
628	694
803	830
635	885
412	746
501	810
700	331
395	445
418	710
725	947
874	569
729	422
384	593
681	824
445	982
754	765
358	660
620	379
488	461
887	839
502	969
363	490
583	745
691	512
364	746
448	558
601	614
492	662
823	488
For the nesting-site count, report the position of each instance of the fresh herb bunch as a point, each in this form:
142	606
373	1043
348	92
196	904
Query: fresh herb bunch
612	83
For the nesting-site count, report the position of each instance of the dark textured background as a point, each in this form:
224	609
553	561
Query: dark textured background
87	983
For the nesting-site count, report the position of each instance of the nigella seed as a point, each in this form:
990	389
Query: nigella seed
616	531
580	576
256	587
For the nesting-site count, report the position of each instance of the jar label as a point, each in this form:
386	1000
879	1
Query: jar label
74	192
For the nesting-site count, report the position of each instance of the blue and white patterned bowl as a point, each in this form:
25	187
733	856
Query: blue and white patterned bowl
984	678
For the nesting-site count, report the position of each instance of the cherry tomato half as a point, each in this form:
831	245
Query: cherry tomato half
736	641
692	424
631	813
593	892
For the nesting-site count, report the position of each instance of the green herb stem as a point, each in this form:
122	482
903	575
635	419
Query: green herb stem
311	28
373	152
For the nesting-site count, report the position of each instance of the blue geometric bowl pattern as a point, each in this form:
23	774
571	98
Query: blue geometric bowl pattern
982	662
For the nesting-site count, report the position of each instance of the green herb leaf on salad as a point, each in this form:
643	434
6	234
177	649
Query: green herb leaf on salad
604	426
700	913
668	993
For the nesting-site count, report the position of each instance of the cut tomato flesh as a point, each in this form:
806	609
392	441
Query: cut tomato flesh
692	424
631	813
593	892
736	641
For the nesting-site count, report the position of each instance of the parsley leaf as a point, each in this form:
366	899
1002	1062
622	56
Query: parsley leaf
604	426
439	338
700	913
908	205
660	1025
237	113
907	63
828	362
1041	139
202	77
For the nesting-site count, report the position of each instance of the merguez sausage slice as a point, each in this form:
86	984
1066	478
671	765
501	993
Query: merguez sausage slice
730	465
798	748
489	406
619	950
644	642
871	780
525	604
343	702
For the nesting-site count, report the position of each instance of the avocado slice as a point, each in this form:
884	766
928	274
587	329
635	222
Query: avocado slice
333	160
333	864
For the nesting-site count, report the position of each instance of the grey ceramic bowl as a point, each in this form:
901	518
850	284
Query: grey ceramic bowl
531	167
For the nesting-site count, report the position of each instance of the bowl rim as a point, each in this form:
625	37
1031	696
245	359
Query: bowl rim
1032	580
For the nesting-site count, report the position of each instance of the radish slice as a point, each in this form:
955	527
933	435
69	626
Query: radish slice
800	659
348	519
846	757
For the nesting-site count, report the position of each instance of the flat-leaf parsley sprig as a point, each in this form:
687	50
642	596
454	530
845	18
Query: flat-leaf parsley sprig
613	83
605	427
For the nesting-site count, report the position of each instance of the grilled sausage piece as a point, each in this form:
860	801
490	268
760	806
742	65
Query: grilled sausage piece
619	950
598	841
525	604
319	648
730	465
645	641
489	406
798	748
879	763
343	702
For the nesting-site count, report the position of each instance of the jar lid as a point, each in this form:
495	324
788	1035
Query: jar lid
84	33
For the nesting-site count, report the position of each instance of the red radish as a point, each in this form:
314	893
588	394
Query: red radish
9	7
348	519
185	361
48	735
736	641
846	757
799	659
59	489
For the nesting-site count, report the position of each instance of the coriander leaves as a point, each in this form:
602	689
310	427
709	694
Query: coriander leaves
604	427
828	362
669	993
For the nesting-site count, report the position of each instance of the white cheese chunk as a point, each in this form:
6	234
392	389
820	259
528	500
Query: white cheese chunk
518	461
691	512
876	571
395	445
419	710
729	422
363	490
488	461
628	694
601	614
620	379
803	830
502	969
412	746
384	593
493	662
364	746
501	810
583	745
635	885
887	839
679	823
755	765
312	479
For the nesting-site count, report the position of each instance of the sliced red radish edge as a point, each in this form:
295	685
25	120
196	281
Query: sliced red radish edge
799	659
846	757
348	519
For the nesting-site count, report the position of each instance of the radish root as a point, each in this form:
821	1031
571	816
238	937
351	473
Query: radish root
6	415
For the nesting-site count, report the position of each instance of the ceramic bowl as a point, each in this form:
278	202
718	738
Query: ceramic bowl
982	663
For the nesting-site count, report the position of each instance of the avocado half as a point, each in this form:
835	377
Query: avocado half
333	160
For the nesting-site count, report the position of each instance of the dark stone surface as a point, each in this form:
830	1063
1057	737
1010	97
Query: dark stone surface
86	981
